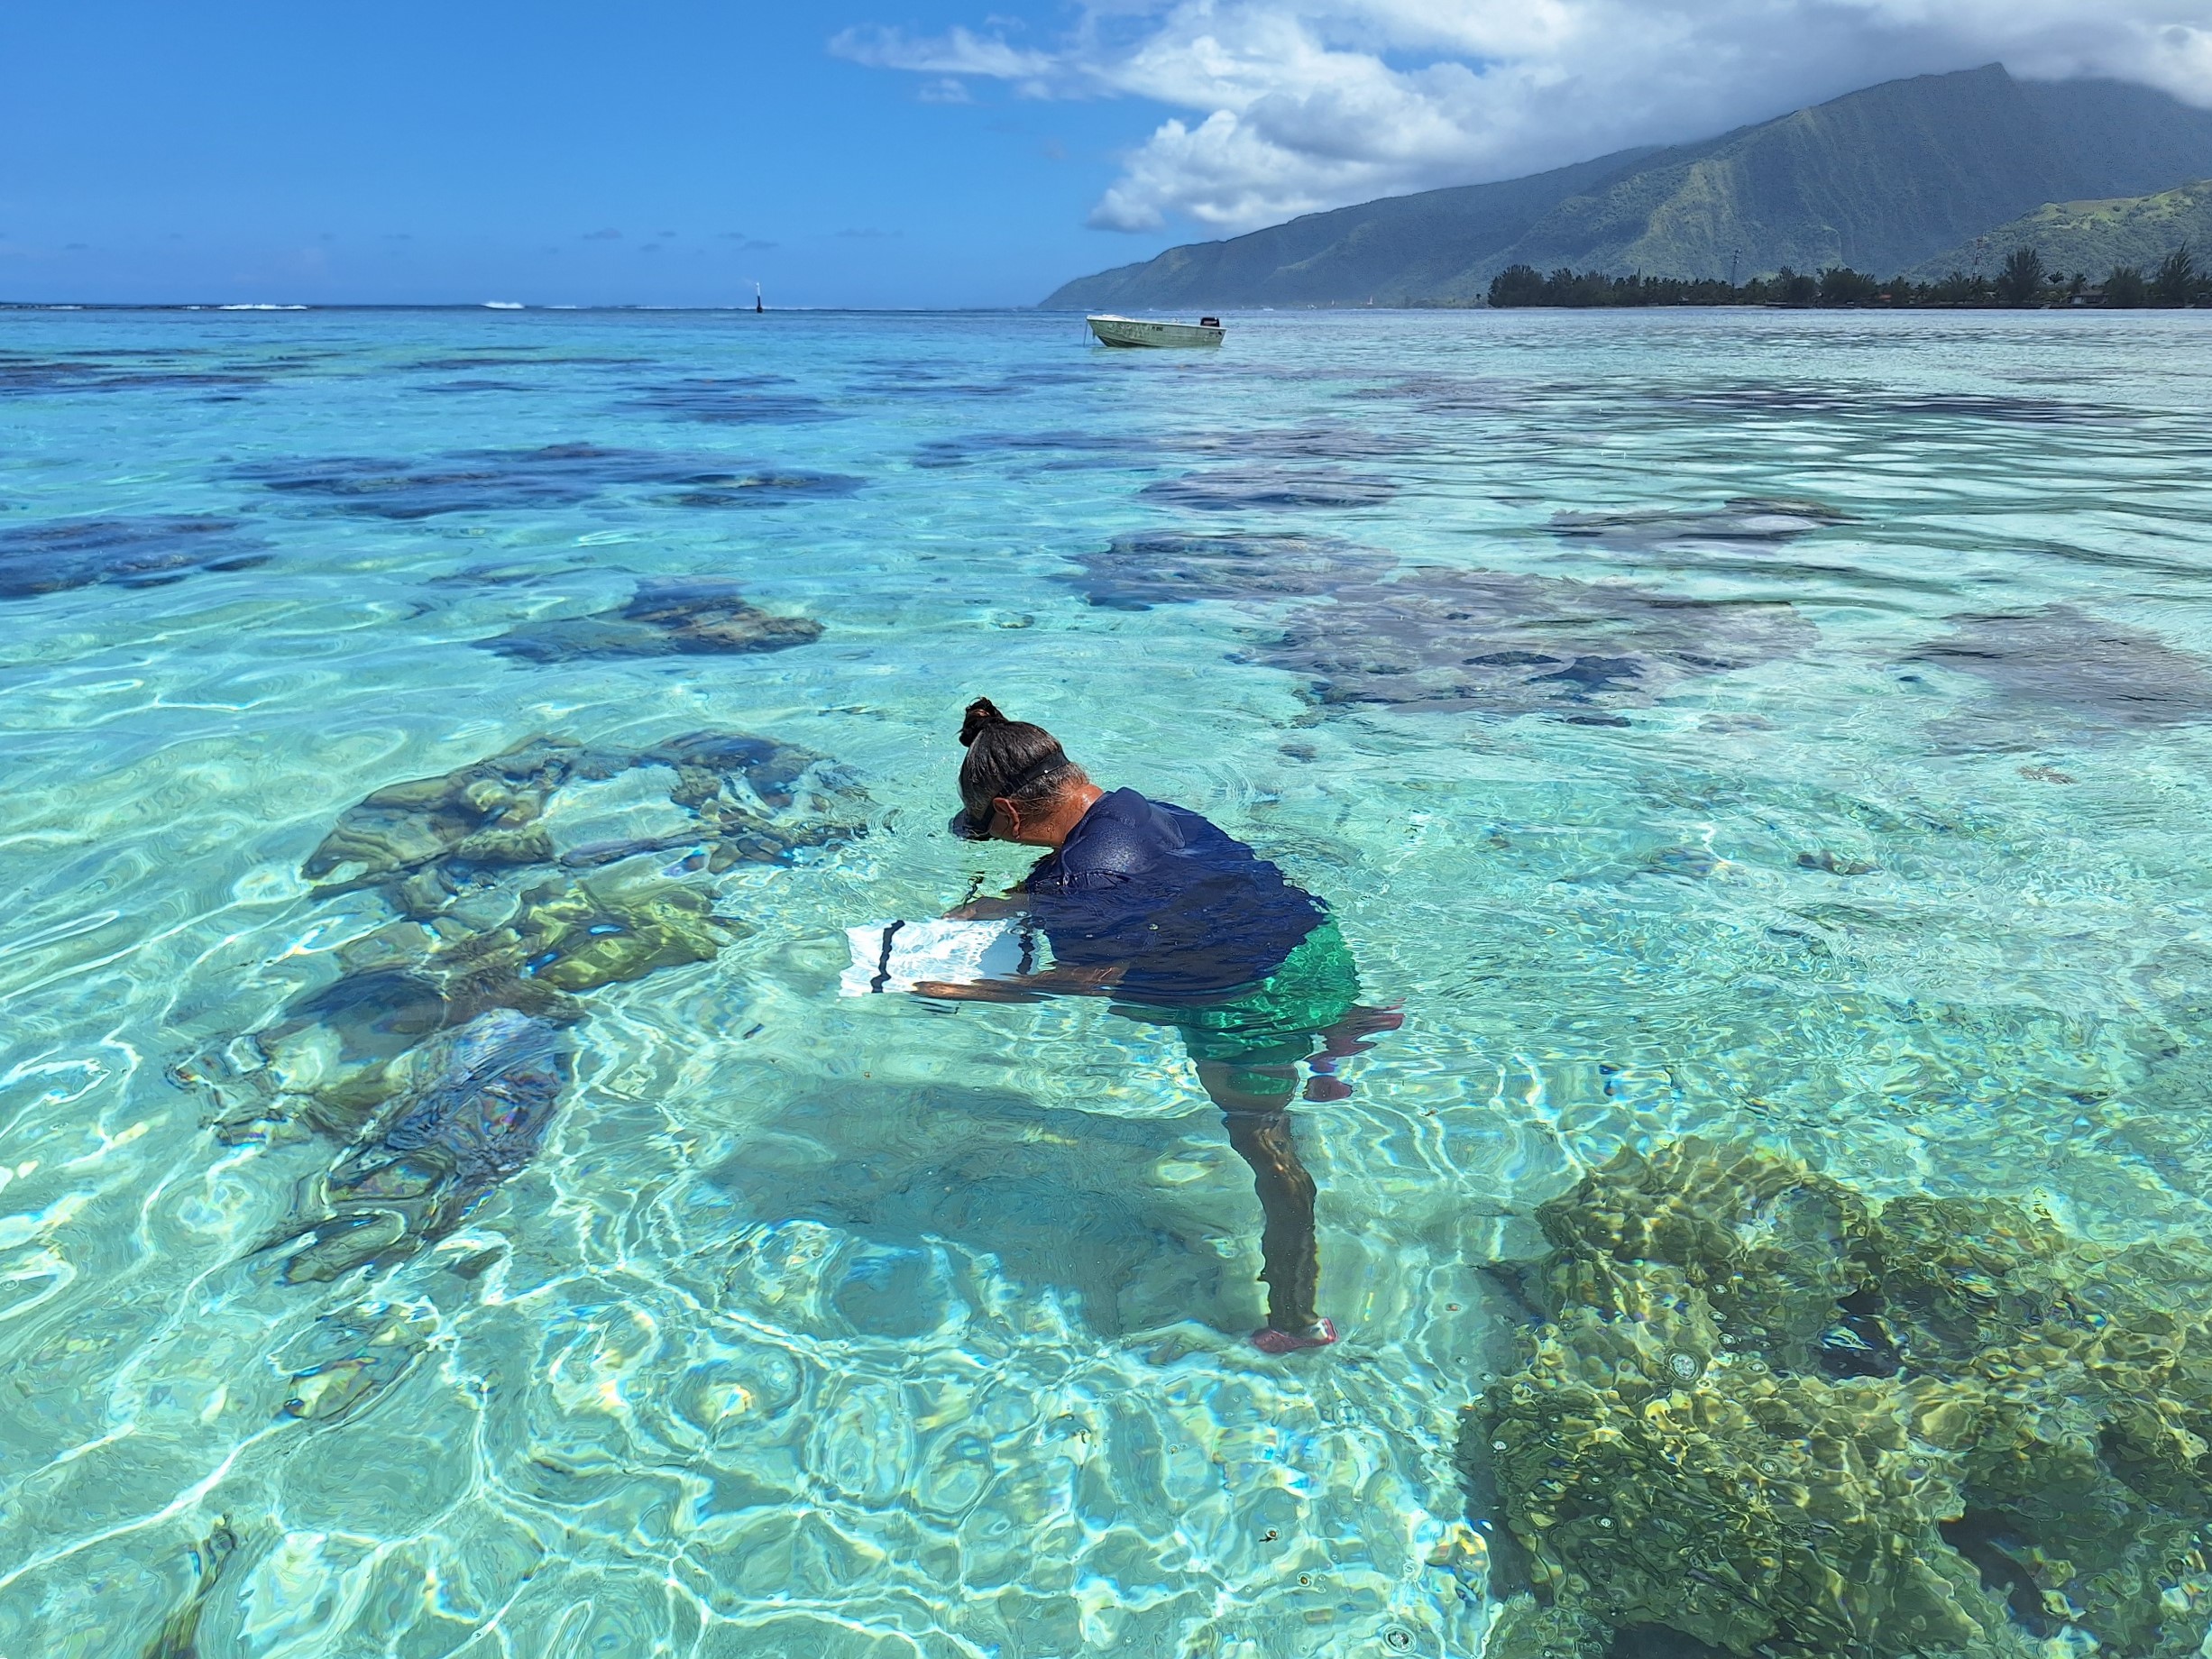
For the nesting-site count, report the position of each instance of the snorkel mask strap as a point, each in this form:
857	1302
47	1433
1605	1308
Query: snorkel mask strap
969	826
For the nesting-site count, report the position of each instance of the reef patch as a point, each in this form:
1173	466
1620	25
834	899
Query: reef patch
1175	567
1763	1412
1744	524
24	376
1232	489
428	839
1507	645
129	553
522	480
2083	671
768	488
435	1058
471	1110
705	617
743	399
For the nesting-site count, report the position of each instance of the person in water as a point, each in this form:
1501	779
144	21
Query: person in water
1183	925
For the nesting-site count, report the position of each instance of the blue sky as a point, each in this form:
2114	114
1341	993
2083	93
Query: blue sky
872	152
463	152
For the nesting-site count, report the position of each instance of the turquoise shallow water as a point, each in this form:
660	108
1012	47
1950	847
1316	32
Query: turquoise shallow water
1774	726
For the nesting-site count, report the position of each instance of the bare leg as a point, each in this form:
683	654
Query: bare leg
1260	1131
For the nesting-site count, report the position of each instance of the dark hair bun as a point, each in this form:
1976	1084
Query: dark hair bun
980	713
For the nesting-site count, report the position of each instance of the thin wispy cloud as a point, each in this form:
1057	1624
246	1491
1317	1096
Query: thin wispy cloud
1284	106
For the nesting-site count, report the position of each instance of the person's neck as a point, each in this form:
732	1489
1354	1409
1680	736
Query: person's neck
1053	828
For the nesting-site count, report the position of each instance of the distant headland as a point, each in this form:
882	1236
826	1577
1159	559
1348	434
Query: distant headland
1944	184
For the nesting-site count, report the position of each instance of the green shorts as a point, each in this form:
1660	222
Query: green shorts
1274	1022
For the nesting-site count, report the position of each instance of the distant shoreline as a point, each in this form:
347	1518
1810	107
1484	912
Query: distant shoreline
29	308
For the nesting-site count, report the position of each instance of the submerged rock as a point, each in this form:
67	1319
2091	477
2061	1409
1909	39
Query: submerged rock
785	488
1764	1414
1835	864
433	1056
129	553
428	840
737	400
178	1636
1238	489
474	1109
1507	644
350	1358
1745	523
582	936
1169	567
2064	664
484	481
706	617
404	985
481	814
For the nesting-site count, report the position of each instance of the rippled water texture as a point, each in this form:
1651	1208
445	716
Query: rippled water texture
487	1232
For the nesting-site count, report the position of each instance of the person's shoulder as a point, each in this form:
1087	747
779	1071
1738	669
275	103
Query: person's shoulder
1199	836
1122	831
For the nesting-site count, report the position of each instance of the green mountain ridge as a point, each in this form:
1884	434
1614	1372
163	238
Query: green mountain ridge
2091	237
1883	179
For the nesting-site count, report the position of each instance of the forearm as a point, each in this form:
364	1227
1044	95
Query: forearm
1028	987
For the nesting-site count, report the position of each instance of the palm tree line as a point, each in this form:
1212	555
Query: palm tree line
2022	283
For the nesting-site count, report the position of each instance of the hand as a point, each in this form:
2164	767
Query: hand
986	910
1348	1035
952	991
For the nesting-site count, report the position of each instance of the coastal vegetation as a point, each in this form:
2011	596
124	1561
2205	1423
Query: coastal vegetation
2022	282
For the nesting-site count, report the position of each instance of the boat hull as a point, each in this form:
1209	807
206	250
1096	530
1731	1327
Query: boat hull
1142	331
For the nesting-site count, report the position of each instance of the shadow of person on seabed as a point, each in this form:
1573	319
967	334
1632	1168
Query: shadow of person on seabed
1181	926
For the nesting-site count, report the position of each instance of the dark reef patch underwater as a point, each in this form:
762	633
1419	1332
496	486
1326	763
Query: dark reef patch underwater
519	480
1180	567
1768	1416
2064	666
1507	644
744	400
1745	524
74	375
700	618
1233	490
56	555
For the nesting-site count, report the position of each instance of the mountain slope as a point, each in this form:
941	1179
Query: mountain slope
1406	242
1881	179
2092	237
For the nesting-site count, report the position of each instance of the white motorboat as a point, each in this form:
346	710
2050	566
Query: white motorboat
1139	330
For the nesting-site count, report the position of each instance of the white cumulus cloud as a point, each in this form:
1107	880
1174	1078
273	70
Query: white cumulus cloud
1282	106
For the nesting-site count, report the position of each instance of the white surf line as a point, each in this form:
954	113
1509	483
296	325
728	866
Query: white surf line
182	1501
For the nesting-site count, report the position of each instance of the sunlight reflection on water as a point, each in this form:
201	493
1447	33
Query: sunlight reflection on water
1783	727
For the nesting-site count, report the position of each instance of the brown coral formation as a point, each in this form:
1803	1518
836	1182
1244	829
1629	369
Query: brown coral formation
702	618
485	816
433	1056
1769	1416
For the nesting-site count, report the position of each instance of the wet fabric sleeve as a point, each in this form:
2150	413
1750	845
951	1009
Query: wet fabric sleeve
1097	918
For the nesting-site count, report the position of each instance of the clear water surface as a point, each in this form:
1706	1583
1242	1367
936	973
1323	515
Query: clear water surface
1857	809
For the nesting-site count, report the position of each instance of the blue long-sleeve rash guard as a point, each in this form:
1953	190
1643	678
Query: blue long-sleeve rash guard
1192	912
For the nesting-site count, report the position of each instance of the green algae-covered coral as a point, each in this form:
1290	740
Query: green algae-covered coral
1772	1416
425	839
